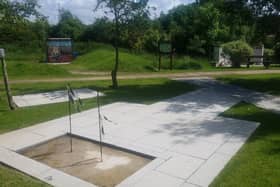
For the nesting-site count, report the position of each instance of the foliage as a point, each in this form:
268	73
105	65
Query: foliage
14	23
68	26
277	51
100	31
268	52
238	50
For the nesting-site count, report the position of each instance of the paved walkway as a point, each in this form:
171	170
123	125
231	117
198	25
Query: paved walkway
191	143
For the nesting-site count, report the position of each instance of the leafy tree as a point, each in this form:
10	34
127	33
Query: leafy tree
100	31
14	23
265	7
69	26
122	12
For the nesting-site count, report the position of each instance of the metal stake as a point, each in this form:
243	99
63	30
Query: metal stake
70	120
100	128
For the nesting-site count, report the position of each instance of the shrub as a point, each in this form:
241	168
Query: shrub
268	52
237	50
277	51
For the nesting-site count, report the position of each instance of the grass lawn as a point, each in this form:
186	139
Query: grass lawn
12	178
268	83
258	162
102	58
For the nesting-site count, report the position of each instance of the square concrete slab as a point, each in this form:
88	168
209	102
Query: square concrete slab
51	97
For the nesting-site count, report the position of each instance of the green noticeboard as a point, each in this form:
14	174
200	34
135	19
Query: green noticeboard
165	47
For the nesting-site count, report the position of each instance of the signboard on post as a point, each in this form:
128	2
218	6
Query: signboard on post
2	53
165	48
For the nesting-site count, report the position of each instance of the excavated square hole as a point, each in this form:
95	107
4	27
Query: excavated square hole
84	161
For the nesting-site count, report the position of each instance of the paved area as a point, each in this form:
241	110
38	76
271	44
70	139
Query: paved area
51	97
190	142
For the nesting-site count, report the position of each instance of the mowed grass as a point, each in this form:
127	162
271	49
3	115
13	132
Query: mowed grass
144	91
102	58
28	62
268	83
12	178
258	162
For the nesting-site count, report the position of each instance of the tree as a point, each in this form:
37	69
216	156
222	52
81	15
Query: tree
100	31
69	26
15	24
122	11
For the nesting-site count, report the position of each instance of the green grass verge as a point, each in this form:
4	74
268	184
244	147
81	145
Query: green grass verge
11	178
267	83
258	162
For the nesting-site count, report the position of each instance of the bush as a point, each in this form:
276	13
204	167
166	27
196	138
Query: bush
268	52
277	51
237	50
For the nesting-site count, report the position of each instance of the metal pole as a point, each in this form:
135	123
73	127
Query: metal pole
70	121
100	128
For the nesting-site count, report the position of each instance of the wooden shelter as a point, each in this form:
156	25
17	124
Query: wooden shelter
59	50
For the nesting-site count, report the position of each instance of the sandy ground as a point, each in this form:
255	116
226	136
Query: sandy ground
84	162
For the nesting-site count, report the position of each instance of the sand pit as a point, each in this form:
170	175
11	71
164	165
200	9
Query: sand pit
84	162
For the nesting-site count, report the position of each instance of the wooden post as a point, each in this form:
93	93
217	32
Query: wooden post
159	57
159	62
171	60
11	103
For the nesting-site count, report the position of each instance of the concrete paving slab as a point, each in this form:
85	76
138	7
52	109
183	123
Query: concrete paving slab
196	148
180	166
188	185
154	178
208	171
51	97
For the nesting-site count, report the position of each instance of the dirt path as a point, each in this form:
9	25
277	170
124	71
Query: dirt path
151	75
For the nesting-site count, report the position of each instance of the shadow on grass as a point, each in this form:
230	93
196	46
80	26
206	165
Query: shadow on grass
268	131
257	162
260	83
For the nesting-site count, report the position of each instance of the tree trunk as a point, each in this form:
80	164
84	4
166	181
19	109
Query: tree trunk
115	70
7	87
116	67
